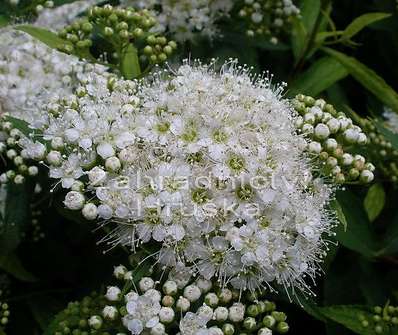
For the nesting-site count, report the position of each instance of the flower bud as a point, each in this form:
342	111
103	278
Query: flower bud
90	211
74	200
146	283
113	293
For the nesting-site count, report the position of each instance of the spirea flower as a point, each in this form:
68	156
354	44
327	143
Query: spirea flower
186	18
206	164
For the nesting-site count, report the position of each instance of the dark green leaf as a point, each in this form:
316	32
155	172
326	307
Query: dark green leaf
298	39
4	20
320	76
309	11
339	213
374	201
11	264
358	236
47	37
368	78
361	22
130	65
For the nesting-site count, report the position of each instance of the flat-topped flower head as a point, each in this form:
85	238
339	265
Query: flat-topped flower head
206	164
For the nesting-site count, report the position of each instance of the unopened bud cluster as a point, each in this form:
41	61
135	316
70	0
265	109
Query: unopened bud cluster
268	17
4	314
384	320
332	138
36	6
157	307
382	151
18	165
120	27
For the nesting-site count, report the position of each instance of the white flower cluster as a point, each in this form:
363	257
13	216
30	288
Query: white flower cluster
391	119
59	17
207	164
185	18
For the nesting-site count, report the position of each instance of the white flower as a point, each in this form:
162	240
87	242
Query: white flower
74	200
110	312
146	283
113	293
236	312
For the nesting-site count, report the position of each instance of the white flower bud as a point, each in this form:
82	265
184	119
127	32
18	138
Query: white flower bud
3	178
95	322
168	301
333	125
71	135
54	158
112	164
264	331
331	144
211	299
131	296
370	167
74	200
90	211
315	147
119	271
153	294
351	135
204	285
146	283
307	129
110	312
96	176
318	113
105	150
11	154
77	186
159	329
236	312
170	287
347	159
19	179
57	143
221	313
18	160
205	312
366	176
105	212
192	293
166	314
128	276
183	304
331	162
360	158
362	139
298	122
33	170
322	131
113	293
309	118
225	295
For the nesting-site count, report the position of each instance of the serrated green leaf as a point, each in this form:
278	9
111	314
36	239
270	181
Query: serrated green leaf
320	76
11	264
47	37
130	65
339	213
349	316
368	78
361	22
374	201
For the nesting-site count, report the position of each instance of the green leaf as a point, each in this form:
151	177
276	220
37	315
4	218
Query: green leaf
349	316
320	76
339	213
47	37
11	264
298	38
358	235
368	78
374	201
309	11
4	20
361	22
130	65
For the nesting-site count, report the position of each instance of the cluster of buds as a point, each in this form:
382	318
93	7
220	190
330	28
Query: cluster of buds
35	6
268	17
78	318
382	321
381	150
120	27
4	314
179	305
18	165
332	137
